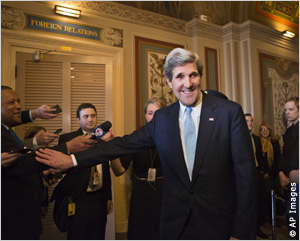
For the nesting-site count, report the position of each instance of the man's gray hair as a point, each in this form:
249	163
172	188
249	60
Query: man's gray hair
180	57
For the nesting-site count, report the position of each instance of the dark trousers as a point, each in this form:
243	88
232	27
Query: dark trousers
90	218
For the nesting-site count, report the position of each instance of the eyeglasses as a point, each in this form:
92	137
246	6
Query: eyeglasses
264	129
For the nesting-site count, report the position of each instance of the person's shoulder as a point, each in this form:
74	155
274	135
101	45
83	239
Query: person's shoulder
70	135
167	109
220	101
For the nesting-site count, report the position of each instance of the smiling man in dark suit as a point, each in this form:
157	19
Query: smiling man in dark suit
209	182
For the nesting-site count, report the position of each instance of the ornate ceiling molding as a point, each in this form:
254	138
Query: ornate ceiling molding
205	29
234	31
125	13
15	20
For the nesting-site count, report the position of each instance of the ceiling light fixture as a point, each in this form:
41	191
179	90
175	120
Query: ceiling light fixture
70	12
288	34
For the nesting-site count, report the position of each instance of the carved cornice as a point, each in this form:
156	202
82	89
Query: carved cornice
205	29
33	38
125	13
12	18
251	29
234	31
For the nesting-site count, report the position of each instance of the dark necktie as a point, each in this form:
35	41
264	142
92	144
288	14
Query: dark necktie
16	137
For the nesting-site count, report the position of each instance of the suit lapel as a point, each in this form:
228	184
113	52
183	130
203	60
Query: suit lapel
208	118
172	125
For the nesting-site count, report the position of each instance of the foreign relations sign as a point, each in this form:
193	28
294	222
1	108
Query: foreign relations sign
53	26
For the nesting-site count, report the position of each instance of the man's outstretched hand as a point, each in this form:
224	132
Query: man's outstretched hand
55	159
43	112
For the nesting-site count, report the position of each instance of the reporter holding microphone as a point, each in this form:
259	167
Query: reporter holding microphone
90	187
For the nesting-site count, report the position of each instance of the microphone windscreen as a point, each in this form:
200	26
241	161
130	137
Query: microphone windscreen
106	125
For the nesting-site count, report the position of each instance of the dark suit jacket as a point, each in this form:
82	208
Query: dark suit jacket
222	193
21	192
78	179
290	140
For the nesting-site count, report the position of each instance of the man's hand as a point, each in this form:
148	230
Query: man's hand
49	179
80	143
108	136
43	112
8	158
55	159
110	207
45	138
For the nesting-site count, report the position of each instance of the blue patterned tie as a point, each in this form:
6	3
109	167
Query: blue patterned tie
16	137
189	139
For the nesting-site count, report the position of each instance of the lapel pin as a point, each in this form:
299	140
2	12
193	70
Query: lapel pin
211	119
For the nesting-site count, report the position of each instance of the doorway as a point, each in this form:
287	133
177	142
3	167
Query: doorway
66	80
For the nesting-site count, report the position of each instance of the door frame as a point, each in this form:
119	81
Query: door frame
17	41
22	41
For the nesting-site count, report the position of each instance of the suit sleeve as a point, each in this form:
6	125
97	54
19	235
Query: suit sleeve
105	151
244	226
25	117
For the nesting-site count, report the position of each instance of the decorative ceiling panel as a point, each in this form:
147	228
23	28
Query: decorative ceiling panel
285	12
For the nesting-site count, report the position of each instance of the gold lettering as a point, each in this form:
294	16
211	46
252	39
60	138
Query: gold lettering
59	27
69	29
44	24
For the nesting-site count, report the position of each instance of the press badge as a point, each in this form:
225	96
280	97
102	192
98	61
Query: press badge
151	175
96	180
71	209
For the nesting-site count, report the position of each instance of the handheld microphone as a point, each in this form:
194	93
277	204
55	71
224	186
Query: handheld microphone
101	130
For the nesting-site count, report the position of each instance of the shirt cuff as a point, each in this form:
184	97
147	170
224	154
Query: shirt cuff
35	144
30	116
74	160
